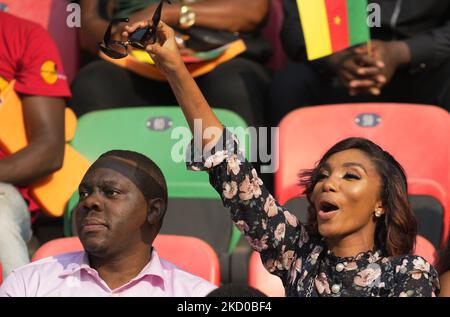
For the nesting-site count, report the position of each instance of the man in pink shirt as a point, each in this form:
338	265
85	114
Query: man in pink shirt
123	198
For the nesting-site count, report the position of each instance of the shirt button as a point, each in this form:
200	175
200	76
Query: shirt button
423	65
340	267
335	288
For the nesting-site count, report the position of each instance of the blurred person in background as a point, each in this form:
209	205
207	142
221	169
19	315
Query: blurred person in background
240	84
29	56
409	61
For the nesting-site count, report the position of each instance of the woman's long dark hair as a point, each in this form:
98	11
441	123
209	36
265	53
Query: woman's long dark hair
397	228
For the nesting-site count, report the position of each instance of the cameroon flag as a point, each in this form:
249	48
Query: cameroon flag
332	25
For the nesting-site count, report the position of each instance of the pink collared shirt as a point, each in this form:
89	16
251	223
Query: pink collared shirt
69	275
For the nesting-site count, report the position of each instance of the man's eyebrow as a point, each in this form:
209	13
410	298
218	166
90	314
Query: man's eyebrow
352	164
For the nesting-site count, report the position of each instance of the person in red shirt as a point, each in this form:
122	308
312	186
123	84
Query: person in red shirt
29	56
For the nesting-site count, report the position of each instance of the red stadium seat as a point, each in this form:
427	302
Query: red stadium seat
272	33
416	135
261	279
52	15
425	249
190	254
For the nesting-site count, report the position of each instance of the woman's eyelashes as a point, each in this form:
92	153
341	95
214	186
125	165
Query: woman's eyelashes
349	175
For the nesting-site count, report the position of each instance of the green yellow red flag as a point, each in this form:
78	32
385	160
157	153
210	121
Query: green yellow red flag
332	25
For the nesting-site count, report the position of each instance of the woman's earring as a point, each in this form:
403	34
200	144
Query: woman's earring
378	213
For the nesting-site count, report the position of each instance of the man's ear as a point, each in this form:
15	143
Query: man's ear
156	210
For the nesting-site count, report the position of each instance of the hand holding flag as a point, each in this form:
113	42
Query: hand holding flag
389	56
359	73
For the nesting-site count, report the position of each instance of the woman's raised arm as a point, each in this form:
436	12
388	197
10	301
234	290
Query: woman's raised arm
269	227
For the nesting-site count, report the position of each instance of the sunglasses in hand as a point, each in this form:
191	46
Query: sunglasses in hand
138	39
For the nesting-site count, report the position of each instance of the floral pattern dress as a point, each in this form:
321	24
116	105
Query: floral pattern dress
304	264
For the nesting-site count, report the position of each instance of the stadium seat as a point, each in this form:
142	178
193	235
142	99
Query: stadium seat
153	132
416	135
425	249
271	32
52	15
261	279
180	250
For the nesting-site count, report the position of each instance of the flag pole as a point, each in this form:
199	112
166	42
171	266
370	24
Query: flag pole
369	47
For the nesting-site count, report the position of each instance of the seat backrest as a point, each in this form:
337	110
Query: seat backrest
271	32
190	254
182	251
52	15
425	249
261	279
416	135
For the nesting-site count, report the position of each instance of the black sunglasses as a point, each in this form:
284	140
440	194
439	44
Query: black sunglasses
138	39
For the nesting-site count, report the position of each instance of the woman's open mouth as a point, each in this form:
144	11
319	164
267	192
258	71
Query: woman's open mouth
327	210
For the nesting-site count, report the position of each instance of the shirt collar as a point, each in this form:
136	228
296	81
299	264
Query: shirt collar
153	268
78	263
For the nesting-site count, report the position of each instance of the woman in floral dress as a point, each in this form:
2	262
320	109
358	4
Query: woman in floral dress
360	232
